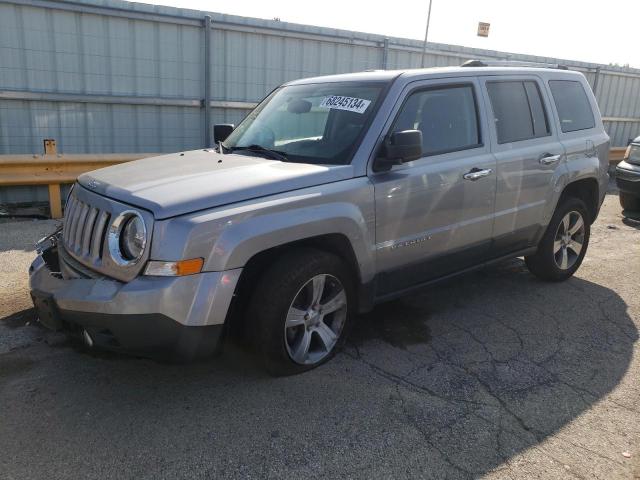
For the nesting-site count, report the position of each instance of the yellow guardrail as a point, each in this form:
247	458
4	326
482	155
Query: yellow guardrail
47	170
54	169
616	155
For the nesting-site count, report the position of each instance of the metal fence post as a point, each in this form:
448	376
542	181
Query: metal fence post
55	197
596	78
207	81
385	53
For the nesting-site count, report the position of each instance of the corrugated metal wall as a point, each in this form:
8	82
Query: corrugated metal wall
45	50
112	76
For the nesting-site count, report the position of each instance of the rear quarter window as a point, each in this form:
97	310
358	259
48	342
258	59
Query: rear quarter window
572	104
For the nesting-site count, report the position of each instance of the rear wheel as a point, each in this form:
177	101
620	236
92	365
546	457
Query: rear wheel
630	202
564	243
299	312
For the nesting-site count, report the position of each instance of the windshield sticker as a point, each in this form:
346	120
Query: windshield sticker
351	104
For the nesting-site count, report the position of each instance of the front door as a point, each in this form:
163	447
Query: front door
434	215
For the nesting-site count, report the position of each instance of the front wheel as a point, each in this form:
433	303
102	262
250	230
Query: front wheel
299	312
564	243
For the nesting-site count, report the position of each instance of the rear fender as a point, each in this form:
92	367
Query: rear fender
573	170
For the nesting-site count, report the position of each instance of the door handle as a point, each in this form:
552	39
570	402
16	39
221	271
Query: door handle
548	159
477	173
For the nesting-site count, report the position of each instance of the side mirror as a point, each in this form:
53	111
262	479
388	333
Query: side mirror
221	131
400	147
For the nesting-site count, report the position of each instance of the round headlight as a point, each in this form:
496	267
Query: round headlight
133	239
127	238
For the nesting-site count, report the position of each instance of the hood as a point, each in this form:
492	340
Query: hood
180	183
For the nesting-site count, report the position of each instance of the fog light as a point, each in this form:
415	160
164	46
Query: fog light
174	269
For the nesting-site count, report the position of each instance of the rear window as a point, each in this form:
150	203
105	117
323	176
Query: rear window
518	110
573	105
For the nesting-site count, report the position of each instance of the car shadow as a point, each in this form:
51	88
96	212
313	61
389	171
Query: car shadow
450	382
510	360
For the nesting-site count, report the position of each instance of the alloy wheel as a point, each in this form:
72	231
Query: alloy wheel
569	240
315	319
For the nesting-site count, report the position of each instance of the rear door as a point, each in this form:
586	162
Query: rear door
434	215
527	151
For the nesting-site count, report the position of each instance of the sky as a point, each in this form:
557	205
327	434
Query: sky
588	30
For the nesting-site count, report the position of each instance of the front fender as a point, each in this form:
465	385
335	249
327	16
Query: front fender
227	237
238	243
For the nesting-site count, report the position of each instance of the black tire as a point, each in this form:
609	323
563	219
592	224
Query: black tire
630	202
282	283
544	264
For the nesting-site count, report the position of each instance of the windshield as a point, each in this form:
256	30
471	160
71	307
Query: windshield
315	123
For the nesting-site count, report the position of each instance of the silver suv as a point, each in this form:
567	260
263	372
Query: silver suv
334	194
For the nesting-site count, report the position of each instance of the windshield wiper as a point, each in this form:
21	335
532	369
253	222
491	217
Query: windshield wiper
274	154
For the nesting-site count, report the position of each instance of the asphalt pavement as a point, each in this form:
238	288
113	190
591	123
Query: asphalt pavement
494	374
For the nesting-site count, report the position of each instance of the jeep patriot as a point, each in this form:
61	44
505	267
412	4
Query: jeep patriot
335	193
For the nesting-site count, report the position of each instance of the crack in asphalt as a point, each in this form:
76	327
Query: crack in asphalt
402	382
428	438
521	356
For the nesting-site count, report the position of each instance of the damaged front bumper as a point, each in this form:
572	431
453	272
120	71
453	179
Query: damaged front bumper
180	316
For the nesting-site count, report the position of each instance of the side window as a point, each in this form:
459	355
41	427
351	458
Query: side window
518	110
573	105
445	115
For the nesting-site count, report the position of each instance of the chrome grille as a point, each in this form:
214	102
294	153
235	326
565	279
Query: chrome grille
87	220
84	230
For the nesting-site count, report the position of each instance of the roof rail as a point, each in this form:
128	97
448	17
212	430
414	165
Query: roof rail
512	63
